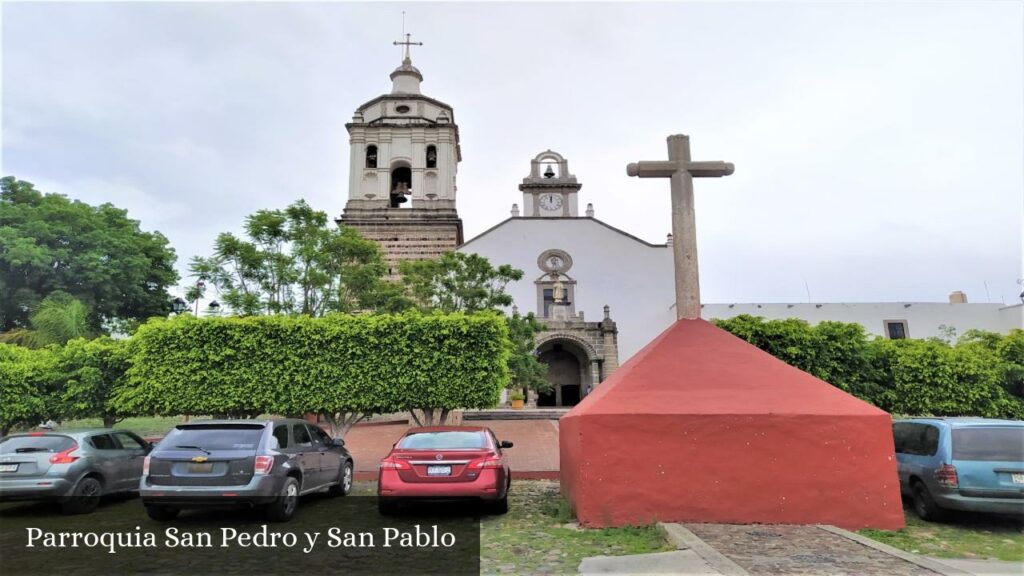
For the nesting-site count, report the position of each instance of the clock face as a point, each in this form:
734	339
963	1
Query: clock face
550	201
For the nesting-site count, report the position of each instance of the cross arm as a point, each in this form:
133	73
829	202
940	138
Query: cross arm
713	168
652	169
666	168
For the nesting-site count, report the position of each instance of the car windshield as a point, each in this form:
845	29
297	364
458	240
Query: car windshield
23	444
206	438
989	444
452	440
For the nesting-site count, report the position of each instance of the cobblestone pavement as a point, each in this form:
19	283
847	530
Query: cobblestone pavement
765	550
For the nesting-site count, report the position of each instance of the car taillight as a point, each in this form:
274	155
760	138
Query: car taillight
145	466
394	464
488	462
264	464
65	457
946	476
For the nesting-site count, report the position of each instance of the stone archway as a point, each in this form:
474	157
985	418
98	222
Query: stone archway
569	370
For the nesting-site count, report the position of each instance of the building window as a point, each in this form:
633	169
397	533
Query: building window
431	156
371	156
896	329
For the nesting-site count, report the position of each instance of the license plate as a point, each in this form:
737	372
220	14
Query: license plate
8	467
1017	478
204	468
439	470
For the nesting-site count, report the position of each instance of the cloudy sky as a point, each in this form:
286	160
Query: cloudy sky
878	147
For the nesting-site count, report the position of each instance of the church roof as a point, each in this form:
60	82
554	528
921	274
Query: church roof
558	219
696	368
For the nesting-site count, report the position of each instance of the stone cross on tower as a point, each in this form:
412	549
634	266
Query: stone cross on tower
682	170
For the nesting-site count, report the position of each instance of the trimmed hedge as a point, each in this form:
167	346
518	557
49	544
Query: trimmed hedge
975	377
27	380
332	365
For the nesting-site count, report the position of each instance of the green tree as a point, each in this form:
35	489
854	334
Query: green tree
524	368
58	318
90	373
96	254
459	282
295	262
27	383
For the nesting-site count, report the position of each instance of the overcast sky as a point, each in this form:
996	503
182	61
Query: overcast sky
879	148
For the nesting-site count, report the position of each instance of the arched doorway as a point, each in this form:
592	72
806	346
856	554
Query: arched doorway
568	372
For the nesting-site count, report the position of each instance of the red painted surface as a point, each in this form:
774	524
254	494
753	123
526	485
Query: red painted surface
701	426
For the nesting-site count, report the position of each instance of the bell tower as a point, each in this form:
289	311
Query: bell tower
550	191
404	155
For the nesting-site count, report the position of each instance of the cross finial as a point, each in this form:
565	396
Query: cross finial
408	43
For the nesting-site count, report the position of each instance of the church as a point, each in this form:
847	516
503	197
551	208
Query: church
601	292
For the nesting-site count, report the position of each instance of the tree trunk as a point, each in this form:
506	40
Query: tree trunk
109	421
341	422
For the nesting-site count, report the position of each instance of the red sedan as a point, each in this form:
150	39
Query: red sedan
445	462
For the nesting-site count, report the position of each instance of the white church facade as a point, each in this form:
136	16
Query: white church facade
602	293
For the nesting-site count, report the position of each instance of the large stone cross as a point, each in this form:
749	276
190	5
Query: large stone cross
682	171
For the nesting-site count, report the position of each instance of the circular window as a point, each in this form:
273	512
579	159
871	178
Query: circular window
401	108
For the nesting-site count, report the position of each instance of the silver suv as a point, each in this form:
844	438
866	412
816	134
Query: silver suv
74	468
244	463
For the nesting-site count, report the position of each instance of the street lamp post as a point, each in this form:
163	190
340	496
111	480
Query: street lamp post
200	286
179	305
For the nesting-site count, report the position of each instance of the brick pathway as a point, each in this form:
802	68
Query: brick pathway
801	550
535	454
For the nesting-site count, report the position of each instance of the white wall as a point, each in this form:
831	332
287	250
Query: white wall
611	268
635	279
923	318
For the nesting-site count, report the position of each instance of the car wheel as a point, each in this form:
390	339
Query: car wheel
162	513
344	485
85	497
924	505
286	502
498	506
387	506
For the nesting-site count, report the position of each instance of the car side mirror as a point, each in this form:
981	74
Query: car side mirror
338	443
148	447
506	444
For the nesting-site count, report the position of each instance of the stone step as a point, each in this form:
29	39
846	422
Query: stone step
509	414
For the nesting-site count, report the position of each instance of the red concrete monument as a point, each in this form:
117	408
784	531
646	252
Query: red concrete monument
701	426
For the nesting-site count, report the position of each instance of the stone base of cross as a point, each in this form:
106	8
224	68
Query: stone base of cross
682	171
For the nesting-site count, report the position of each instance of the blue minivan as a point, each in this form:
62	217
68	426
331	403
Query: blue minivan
970	464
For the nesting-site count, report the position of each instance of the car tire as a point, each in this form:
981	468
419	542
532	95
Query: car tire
283	507
84	498
162	513
498	506
924	504
387	506
344	485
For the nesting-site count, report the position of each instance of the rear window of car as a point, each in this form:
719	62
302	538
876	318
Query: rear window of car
454	440
24	444
214	437
989	444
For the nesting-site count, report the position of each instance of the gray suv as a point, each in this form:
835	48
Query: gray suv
244	463
74	468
